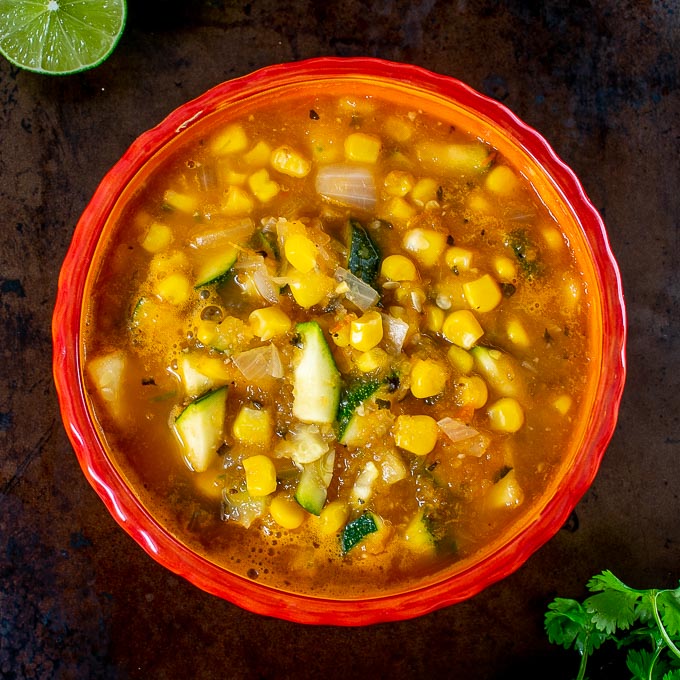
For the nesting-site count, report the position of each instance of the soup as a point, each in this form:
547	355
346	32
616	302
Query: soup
337	346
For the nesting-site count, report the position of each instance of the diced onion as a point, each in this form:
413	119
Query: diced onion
349	185
456	430
395	332
363	486
220	236
260	362
264	283
358	291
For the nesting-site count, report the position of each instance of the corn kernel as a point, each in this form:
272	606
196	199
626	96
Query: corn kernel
175	289
158	237
230	140
163	264
269	322
517	333
234	177
428	378
259	155
398	183
183	202
502	180
206	332
260	475
471	390
289	162
506	415
462	328
362	148
301	252
253	425
424	191
434	318
366	331
483	294
236	201
505	493
563	404
399	210
398	129
333	517
505	268
416	434
553	238
311	288
571	292
478	203
426	245
263	188
460	359
458	258
372	360
398	268
286	513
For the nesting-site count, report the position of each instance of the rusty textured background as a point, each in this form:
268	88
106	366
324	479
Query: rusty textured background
599	79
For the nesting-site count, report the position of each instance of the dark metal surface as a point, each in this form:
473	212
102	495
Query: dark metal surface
79	599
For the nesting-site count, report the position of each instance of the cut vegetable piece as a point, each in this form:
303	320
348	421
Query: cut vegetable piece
363	485
312	488
501	371
349	185
107	373
357	530
195	382
316	379
358	292
418	536
505	493
200	428
216	267
465	159
363	258
352	396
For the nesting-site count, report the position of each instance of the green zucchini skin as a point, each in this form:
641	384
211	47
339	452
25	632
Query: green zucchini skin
200	427
364	257
316	379
216	270
312	488
357	530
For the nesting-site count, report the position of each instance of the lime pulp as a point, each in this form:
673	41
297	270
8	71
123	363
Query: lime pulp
60	36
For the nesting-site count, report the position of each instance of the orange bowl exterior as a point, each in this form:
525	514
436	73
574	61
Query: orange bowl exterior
449	588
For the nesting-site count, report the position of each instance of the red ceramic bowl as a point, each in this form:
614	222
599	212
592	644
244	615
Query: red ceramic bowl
559	189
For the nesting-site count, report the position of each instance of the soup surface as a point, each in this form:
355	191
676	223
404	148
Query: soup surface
337	345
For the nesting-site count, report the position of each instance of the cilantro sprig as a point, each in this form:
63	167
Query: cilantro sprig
647	622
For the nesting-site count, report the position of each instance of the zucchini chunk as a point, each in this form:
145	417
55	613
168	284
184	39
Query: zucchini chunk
215	269
363	258
200	428
351	398
312	488
316	379
357	530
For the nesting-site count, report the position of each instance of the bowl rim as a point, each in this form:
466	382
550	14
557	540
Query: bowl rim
251	595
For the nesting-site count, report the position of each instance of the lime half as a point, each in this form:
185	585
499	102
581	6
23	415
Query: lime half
60	36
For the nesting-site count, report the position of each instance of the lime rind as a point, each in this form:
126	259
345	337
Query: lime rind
60	37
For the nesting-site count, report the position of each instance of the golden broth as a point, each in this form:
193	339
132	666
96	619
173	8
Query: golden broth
460	382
